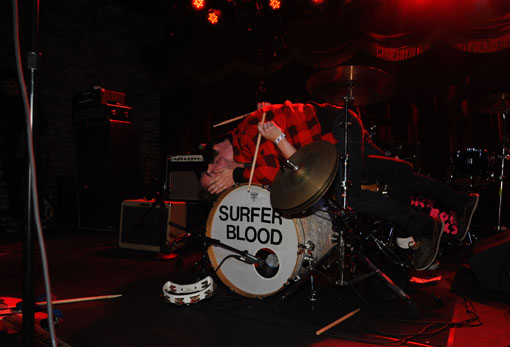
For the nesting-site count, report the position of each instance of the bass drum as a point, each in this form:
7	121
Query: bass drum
246	221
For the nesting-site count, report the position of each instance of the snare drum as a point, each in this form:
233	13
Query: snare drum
245	220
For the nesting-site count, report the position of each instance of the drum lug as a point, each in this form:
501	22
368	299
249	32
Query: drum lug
309	258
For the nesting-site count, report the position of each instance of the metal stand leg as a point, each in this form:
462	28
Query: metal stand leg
313	292
504	156
413	309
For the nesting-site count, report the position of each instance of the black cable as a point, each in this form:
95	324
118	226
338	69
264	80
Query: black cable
223	261
441	326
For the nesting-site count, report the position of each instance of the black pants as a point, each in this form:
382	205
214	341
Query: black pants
399	176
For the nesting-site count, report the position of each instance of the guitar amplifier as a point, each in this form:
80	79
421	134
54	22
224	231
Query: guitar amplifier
183	176
98	96
142	223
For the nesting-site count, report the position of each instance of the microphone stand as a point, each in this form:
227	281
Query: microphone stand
504	156
28	239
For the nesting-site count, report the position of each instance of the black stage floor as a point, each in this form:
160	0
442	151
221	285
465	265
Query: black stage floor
86	263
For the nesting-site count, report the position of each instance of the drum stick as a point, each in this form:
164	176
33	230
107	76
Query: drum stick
90	298
338	321
232	119
70	301
256	153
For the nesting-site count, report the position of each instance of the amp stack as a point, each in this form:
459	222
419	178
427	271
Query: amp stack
106	157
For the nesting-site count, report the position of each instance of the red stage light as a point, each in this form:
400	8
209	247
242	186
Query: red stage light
317	2
275	4
214	16
198	4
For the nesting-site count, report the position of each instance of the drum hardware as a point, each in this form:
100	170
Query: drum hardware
328	85
499	104
287	163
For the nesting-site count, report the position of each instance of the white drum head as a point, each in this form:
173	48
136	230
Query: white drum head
245	220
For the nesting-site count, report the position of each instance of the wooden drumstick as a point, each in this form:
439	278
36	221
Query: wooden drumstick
256	153
232	119
338	321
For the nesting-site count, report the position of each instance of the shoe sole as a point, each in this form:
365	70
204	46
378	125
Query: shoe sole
435	251
470	217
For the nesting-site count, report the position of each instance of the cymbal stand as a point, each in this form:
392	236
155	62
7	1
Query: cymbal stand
344	185
505	155
348	99
345	213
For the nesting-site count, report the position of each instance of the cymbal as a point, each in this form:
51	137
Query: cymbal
369	84
294	191
494	104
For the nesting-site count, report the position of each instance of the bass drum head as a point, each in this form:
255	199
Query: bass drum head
245	220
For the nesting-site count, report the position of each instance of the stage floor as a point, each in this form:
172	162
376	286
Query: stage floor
90	263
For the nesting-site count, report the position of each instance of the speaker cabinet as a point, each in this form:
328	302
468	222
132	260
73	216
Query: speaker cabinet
490	262
142	223
183	176
107	171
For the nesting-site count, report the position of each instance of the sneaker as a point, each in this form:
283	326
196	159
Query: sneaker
405	242
433	266
465	215
425	250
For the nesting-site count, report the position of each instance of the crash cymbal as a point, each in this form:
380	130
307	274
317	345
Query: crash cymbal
494	104
369	85
295	190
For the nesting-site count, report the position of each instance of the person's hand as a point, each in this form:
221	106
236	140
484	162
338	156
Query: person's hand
219	180
227	163
261	105
269	130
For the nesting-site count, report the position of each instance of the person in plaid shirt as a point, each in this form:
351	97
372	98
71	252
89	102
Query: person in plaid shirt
288	127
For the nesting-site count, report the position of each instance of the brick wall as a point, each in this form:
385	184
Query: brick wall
84	44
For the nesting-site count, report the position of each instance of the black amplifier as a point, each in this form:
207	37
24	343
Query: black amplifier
183	176
102	112
96	97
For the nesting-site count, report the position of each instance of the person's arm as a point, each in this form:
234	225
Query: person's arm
271	132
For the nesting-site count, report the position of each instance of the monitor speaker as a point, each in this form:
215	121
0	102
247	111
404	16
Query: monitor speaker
490	262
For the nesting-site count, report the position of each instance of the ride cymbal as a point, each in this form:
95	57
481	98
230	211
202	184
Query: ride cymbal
369	85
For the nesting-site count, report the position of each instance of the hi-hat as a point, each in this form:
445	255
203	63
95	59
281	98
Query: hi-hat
494	104
369	85
295	190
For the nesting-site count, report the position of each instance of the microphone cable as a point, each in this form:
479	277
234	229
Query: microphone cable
32	174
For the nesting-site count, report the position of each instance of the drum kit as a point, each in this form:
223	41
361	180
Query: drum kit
293	231
282	235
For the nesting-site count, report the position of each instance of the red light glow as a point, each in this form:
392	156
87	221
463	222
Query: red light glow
198	4
275	4
214	16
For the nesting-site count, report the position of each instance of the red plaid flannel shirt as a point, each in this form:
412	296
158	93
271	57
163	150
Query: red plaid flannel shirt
297	121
